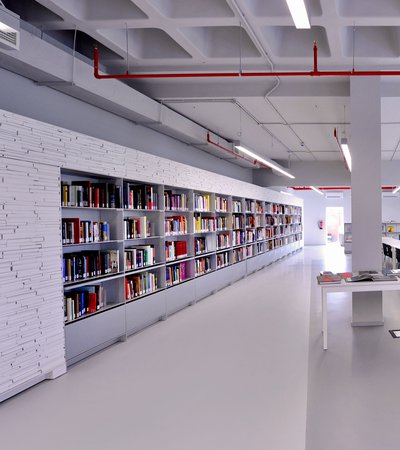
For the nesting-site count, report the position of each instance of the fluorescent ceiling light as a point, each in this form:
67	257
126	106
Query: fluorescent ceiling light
264	161
299	14
396	190
286	193
346	152
316	190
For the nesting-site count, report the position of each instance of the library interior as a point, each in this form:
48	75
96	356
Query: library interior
199	224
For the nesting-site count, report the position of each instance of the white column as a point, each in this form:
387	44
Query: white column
366	197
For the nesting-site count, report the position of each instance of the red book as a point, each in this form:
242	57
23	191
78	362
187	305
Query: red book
96	199
180	249
77	230
127	289
92	302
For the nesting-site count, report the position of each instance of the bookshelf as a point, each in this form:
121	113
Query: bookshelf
389	229
92	263
134	253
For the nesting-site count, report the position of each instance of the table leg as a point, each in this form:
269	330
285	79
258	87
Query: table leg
324	320
394	259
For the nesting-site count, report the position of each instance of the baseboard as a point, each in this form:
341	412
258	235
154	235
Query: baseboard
22	387
373	323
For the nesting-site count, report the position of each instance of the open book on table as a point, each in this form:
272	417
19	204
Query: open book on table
370	276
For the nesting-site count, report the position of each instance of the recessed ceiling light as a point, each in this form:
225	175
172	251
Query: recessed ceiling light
299	13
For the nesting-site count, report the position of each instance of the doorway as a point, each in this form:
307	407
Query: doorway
334	225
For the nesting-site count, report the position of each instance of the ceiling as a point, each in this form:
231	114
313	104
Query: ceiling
290	119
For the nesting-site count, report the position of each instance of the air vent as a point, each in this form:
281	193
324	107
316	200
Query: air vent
334	195
9	39
9	29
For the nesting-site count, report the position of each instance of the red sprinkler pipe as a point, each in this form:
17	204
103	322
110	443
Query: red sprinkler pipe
313	73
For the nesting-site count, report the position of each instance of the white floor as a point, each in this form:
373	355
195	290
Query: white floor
241	370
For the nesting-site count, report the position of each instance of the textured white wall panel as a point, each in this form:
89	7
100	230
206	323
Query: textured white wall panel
31	304
31	140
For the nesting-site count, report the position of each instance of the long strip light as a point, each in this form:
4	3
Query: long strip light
316	190
286	193
264	161
346	152
395	190
299	14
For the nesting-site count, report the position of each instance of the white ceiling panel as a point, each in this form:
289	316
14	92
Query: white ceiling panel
391	109
316	110
329	156
302	156
390	136
317	138
387	156
261	109
285	134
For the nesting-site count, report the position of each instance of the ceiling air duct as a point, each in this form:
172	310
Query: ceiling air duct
9	29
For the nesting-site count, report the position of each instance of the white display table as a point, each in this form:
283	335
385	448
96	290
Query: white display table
361	286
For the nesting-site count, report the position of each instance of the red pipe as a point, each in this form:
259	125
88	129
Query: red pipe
315	48
313	73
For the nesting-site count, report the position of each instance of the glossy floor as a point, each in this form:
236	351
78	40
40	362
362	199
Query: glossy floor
241	370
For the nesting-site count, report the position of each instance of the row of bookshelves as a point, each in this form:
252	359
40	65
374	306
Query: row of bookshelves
125	240
79	231
142	275
91	193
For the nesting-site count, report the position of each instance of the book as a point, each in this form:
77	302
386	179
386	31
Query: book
391	272
180	249
329	279
344	275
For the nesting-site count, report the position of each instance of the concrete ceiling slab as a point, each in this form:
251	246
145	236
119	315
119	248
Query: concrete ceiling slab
221	42
234	35
193	9
289	42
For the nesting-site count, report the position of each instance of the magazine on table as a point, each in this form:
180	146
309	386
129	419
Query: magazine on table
371	275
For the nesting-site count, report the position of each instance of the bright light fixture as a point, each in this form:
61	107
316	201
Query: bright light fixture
316	190
286	193
264	161
299	14
346	152
396	190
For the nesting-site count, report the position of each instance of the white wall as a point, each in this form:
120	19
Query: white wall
391	209
314	210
